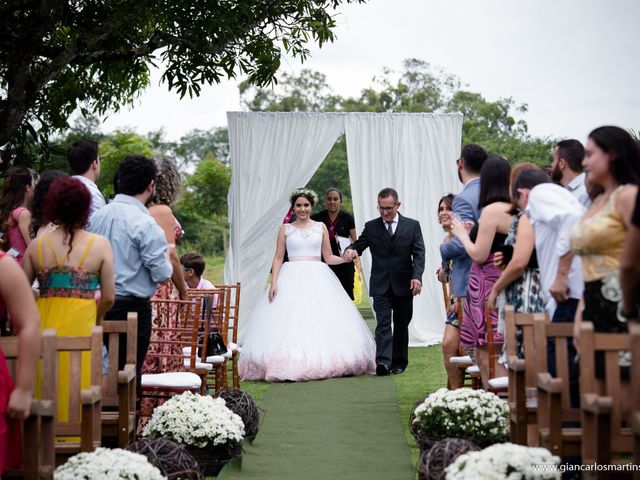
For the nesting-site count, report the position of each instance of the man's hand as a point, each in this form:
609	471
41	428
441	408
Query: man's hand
416	287
491	299
559	289
349	255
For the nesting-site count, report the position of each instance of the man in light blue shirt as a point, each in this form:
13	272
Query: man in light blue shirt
139	247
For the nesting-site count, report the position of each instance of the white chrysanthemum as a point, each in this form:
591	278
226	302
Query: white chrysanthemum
197	420
108	464
505	461
475	414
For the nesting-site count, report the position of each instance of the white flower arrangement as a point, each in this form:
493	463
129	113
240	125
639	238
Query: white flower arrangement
108	464
505	461
463	413
196	420
303	191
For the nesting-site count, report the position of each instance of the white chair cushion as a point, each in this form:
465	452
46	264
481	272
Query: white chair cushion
172	379
499	382
461	360
216	359
199	365
473	369
213	359
233	346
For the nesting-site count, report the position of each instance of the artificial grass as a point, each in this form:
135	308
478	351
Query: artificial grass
424	375
340	428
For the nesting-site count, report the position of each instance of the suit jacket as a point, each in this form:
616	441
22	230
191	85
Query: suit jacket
397	259
465	206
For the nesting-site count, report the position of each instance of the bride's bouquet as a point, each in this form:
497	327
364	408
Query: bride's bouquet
505	461
463	413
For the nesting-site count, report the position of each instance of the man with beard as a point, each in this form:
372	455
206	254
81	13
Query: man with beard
566	169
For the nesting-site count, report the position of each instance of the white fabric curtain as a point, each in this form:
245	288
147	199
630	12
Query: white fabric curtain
271	155
415	154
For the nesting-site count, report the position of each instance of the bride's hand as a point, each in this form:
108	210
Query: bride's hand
273	291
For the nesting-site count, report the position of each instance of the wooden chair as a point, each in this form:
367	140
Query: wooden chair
523	402
605	431
214	314
464	362
84	404
497	385
554	398
119	392
177	327
232	319
39	428
634	330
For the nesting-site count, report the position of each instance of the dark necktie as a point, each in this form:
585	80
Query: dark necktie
390	228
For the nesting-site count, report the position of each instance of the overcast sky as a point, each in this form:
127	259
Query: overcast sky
574	62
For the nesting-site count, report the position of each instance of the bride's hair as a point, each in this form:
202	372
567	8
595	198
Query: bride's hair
303	192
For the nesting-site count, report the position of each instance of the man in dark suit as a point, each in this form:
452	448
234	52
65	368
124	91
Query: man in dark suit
397	251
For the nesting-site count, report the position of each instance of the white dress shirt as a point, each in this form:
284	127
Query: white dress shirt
97	200
553	211
394	224
578	189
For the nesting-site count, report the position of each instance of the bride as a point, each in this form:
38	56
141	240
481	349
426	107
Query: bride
306	327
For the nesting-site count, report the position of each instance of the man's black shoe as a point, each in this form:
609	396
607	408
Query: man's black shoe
397	371
381	370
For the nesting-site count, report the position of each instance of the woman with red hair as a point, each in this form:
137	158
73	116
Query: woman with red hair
70	264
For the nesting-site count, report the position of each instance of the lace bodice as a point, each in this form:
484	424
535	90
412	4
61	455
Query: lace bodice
303	242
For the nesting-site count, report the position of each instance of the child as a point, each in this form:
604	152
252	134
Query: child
193	268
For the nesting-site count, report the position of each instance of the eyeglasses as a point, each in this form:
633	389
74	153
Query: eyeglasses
386	209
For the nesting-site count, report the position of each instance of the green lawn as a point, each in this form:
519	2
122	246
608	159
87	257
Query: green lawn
214	269
424	375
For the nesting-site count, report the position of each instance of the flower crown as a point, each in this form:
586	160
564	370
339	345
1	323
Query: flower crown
298	192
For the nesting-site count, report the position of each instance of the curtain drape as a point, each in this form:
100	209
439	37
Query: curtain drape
271	155
415	154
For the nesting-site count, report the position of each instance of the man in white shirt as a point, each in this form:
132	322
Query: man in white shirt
553	211
85	166
566	169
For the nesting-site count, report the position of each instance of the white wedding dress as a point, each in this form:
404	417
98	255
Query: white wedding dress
311	330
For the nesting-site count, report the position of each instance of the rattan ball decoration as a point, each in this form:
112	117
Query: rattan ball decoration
442	454
424	442
243	404
171	458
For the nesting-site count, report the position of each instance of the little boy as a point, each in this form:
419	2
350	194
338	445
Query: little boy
193	268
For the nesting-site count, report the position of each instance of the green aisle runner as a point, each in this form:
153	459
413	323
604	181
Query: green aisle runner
342	428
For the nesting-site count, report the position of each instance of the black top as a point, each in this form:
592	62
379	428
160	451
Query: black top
635	219
498	239
341	227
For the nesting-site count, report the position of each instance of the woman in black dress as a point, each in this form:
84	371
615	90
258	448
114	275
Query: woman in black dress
341	224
